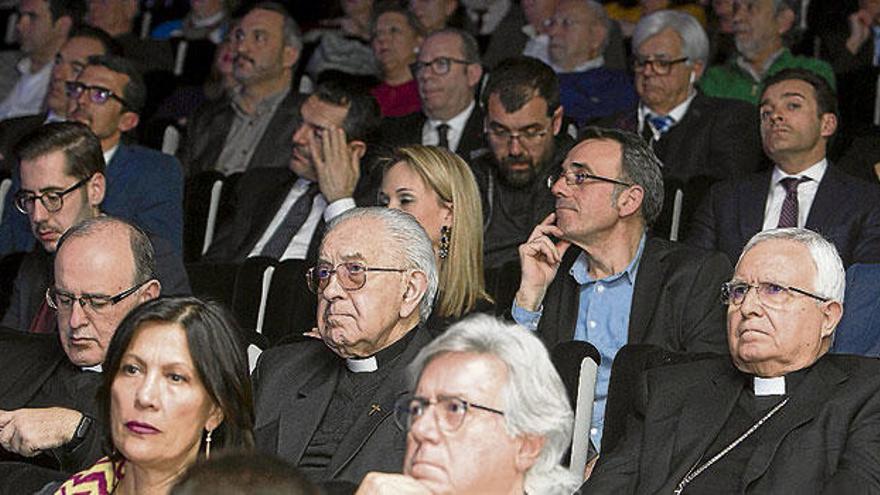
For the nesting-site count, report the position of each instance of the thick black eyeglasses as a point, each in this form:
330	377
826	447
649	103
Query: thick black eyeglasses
439	65
451	411
98	95
58	299
352	275
661	67
769	293
52	200
577	178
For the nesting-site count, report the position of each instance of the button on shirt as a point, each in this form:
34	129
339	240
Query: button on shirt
806	194
603	320
245	134
26	97
456	129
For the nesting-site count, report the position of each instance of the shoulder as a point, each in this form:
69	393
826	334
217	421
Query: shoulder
151	162
678	253
679	378
307	353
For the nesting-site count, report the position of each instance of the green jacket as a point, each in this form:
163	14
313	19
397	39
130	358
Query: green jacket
731	81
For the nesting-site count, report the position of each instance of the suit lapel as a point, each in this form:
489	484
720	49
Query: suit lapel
752	201
824	207
216	140
306	408
472	134
649	279
809	398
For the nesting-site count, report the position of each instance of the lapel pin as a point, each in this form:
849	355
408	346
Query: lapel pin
374	408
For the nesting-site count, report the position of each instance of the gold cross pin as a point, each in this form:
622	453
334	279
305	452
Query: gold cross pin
374	408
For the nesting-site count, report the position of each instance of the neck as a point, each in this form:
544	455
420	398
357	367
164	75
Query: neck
251	95
571	64
612	252
448	114
398	74
142	481
663	108
795	164
760	57
119	28
110	142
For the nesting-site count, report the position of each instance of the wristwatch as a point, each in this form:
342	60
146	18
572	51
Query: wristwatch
82	429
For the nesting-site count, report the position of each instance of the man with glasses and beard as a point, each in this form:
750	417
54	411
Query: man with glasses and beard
522	125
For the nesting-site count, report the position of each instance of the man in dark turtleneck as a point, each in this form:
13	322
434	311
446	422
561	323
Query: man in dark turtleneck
780	415
326	405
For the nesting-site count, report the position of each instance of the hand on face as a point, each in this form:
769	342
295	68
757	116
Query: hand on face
337	164
540	258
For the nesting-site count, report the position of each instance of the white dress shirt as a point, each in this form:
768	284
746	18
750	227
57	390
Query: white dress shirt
29	92
456	124
806	194
676	113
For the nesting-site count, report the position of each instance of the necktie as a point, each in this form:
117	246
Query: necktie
293	221
661	123
443	134
788	217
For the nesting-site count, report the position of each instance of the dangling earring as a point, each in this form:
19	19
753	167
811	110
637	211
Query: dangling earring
445	233
208	445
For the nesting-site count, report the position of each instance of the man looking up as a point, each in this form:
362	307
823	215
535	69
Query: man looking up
252	129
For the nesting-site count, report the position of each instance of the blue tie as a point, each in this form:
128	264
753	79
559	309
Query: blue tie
661	123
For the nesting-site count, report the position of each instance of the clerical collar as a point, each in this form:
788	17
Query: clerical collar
769	386
96	368
372	363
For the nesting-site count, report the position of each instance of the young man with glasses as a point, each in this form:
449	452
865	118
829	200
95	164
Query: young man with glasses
448	72
104	267
326	405
778	414
487	414
590	271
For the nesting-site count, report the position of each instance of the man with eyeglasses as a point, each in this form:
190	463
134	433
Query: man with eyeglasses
487	414
326	405
778	414
700	139
589	89
760	28
591	272
104	267
448	72
523	127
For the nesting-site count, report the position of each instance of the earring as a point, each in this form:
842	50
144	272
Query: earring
445	233
208	445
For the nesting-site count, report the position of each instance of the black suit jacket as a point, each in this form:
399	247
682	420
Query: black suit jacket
845	211
675	302
11	131
206	135
293	385
30	362
822	441
407	130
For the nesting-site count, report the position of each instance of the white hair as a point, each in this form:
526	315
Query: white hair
830	279
534	399
694	42
408	238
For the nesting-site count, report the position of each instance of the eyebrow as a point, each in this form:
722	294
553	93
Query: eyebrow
790	94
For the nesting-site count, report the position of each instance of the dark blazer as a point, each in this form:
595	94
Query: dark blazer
29	289
207	130
859	330
28	364
675	301
293	385
822	441
406	130
11	131
844	210
718	138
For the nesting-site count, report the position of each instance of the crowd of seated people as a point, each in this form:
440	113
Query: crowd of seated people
340	247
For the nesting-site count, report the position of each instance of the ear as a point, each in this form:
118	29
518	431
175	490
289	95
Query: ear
416	285
828	124
63	25
629	201
784	21
150	291
215	418
358	148
96	188
474	73
529	449
832	311
556	120
128	121
448	214
289	56
698	69
600	32
451	5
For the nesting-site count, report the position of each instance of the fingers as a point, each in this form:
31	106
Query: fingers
541	247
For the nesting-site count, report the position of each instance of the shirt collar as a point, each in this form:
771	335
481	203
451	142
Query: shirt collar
267	104
495	12
814	173
594	63
580	270
744	65
108	155
98	368
208	21
372	363
24	67
676	113
458	121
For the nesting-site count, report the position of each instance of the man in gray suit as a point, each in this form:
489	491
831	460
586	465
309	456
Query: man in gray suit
325	405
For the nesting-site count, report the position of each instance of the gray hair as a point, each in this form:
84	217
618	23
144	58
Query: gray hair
638	165
830	279
694	42
470	49
534	399
290	31
143	256
407	236
602	18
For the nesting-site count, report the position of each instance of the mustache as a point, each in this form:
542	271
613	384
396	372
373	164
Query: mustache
512	159
240	56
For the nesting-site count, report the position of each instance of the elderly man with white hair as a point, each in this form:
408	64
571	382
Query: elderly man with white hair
779	415
488	415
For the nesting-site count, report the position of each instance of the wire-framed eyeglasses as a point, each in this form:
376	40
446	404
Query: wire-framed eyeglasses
60	300
769	294
52	200
98	95
573	178
450	411
351	275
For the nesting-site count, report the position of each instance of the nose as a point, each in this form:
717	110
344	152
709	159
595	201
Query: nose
333	291
514	145
426	428
39	213
751	304
560	188
147	389
77	318
299	135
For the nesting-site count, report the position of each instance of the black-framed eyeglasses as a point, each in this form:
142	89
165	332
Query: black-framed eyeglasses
439	65
573	178
98	95
52	200
529	135
352	275
660	66
60	300
769	293
450	412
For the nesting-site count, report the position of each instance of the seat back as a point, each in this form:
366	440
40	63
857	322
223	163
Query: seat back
859	330
290	307
196	209
5	185
251	285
